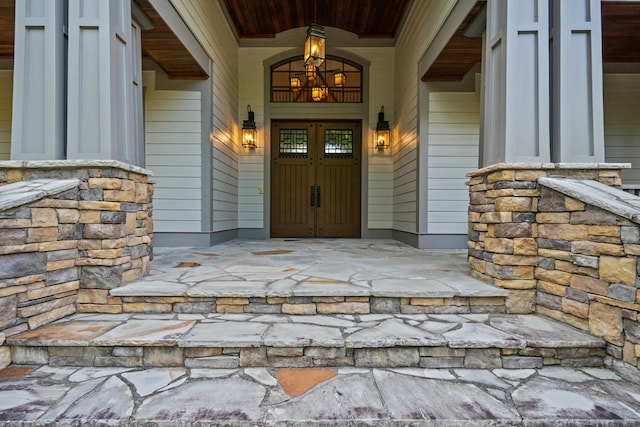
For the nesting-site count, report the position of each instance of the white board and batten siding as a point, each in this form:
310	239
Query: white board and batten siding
207	21
622	123
423	21
454	133
6	97
173	153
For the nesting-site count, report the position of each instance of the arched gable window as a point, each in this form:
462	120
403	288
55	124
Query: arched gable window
336	80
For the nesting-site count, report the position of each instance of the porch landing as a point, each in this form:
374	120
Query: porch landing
310	276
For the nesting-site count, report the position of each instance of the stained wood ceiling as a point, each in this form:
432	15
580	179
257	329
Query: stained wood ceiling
7	25
164	47
366	18
460	55
621	31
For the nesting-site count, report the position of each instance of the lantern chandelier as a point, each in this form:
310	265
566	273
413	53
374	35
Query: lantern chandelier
314	57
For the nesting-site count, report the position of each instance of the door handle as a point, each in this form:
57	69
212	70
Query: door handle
313	195
319	197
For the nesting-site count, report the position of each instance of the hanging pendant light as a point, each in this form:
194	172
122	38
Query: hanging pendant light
295	84
314	46
339	79
318	93
310	71
314	43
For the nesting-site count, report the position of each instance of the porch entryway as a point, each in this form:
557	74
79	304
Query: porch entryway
315	178
297	330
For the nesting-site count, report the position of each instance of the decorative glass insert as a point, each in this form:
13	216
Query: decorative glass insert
338	141
338	79
293	141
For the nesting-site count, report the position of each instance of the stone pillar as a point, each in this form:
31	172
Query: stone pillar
101	95
516	84
503	225
37	129
578	129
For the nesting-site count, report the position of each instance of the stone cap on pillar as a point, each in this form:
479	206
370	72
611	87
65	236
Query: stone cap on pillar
72	164
547	166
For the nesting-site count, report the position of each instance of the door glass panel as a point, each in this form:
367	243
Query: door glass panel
338	141
294	141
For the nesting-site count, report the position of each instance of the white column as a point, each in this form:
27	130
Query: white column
101	98
516	85
37	129
578	130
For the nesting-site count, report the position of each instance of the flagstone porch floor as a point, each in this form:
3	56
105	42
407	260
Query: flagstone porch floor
277	332
309	267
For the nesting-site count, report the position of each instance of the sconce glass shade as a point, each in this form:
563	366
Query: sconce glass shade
319	93
249	131
295	84
382	139
314	45
310	72
249	137
383	133
339	79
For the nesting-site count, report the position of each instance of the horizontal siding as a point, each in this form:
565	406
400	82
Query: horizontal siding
453	151
622	123
173	153
6	96
207	21
419	29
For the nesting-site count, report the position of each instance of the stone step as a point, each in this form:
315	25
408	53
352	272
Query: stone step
276	340
453	293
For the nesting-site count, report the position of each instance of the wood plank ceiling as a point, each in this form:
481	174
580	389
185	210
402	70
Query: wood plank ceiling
366	18
164	47
7	26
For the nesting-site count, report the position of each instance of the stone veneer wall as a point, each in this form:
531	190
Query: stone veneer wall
558	255
64	252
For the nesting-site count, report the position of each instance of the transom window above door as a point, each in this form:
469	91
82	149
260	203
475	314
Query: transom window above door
336	80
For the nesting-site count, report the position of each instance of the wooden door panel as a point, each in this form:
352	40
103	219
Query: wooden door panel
339	179
339	212
291	208
315	179
292	175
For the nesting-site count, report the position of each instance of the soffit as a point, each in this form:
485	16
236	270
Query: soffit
166	49
621	31
7	28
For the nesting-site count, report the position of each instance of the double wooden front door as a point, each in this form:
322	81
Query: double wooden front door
315	178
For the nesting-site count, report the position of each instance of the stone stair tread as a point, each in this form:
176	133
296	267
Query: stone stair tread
450	286
277	330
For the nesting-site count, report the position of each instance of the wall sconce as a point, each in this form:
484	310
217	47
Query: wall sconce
339	79
383	133
249	132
